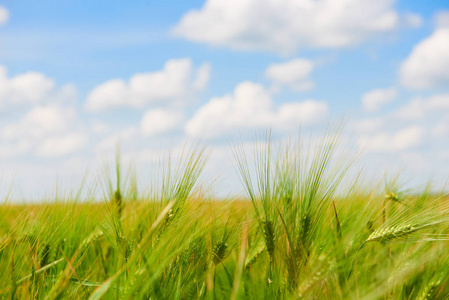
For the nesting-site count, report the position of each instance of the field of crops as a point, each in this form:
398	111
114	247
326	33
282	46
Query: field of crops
300	233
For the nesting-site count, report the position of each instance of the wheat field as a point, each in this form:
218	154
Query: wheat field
302	232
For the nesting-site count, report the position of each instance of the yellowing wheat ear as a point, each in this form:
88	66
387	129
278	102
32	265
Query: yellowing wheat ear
392	232
429	291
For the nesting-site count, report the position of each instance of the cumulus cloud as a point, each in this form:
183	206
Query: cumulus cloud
285	26
45	130
62	145
251	106
49	116
418	108
177	82
31	88
293	74
377	98
427	65
4	15
157	121
39	122
386	142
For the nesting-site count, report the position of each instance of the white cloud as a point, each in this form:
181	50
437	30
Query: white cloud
292	74
284	26
26	88
176	83
32	88
62	145
39	131
39	122
159	121
385	142
427	65
374	99
251	106
419	107
48	114
4	15
368	125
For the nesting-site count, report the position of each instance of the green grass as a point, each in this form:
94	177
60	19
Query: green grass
303	232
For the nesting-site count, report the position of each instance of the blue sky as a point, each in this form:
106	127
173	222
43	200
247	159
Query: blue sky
76	77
